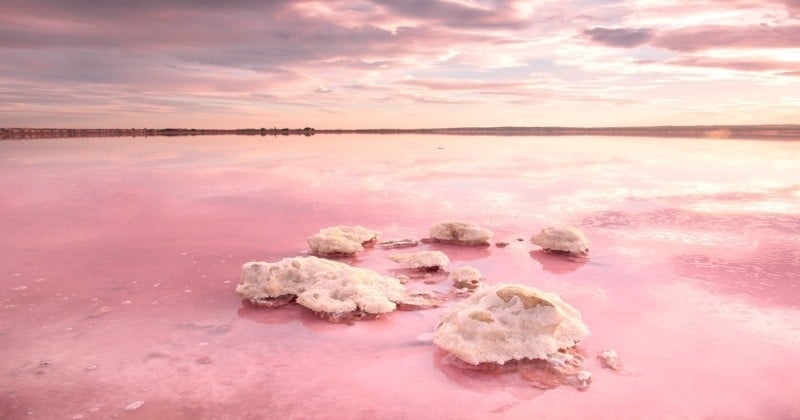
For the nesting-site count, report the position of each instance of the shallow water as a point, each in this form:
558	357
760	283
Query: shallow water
119	258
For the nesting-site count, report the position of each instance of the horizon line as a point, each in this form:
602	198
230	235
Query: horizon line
720	131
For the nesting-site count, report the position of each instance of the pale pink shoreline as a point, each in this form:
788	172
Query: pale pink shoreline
119	261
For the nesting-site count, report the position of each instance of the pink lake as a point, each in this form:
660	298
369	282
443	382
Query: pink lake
119	258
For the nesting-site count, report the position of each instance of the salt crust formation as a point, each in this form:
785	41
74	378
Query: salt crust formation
341	240
465	278
562	239
509	322
461	233
399	243
423	260
322	285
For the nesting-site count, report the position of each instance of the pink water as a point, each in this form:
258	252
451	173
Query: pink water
119	257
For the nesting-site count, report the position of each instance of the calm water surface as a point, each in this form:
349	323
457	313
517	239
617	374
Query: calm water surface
119	257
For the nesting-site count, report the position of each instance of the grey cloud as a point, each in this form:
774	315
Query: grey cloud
706	37
456	15
619	37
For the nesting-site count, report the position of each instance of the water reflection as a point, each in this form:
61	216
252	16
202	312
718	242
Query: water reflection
558	263
703	245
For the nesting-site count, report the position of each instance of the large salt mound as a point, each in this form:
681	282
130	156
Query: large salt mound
461	233
563	239
509	322
321	285
423	260
341	240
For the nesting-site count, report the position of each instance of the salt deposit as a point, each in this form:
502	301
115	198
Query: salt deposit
609	359
398	243
423	260
341	240
509	322
562	239
324	286
465	277
460	233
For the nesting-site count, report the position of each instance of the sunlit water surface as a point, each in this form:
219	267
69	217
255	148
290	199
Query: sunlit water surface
119	258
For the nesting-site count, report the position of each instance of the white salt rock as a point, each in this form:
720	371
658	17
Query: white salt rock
465	277
461	233
341	240
582	380
609	359
509	322
563	239
423	260
321	285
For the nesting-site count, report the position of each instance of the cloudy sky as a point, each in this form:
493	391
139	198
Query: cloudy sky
398	63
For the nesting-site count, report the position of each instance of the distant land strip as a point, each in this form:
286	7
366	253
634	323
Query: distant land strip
778	132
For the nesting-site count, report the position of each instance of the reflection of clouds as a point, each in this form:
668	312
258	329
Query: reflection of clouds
650	235
770	271
775	325
780	207
706	222
600	196
558	263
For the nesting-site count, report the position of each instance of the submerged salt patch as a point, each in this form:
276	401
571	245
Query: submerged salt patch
134	405
562	239
321	285
509	322
341	240
423	260
461	233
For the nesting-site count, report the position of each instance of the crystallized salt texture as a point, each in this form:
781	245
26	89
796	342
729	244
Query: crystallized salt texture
509	322
563	239
321	285
423	260
461	233
341	240
465	277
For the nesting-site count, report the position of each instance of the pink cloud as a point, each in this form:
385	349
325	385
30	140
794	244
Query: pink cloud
347	61
708	37
468	85
786	68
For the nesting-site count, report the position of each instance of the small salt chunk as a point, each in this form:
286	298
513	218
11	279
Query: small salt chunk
134	405
562	239
424	260
465	278
609	359
341	240
461	233
398	243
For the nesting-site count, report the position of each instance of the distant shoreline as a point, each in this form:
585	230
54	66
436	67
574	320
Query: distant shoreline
782	132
